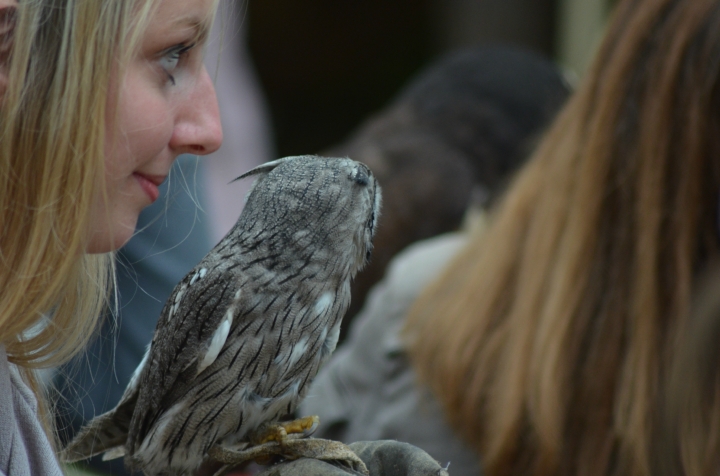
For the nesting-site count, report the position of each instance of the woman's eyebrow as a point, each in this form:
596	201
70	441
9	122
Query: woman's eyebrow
200	26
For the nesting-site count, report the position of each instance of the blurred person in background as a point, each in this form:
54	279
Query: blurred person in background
450	140
539	345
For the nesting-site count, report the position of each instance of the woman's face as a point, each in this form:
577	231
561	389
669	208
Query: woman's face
166	106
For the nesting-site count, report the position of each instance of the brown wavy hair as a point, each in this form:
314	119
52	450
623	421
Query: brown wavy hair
688	436
547	338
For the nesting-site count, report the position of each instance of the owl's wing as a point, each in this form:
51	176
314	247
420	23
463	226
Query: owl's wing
190	334
105	433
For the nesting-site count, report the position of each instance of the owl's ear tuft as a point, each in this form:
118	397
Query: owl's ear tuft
260	169
268	166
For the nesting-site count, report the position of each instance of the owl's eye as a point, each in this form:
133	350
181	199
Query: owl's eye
361	176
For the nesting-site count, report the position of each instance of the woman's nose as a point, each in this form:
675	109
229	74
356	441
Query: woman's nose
198	129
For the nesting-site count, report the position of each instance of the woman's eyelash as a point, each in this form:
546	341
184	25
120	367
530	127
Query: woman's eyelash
171	57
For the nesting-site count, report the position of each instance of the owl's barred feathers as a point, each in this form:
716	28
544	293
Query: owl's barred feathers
244	333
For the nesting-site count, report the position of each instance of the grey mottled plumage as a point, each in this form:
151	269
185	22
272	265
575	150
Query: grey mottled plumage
244	333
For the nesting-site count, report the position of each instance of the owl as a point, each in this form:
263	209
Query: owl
244	333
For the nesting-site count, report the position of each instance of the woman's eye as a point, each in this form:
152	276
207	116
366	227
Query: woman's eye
171	58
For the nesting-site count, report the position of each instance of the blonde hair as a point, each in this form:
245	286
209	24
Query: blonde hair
547	338
53	116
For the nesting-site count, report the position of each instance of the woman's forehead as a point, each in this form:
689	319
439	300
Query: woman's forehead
190	18
186	12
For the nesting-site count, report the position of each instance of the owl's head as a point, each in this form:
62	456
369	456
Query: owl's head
315	207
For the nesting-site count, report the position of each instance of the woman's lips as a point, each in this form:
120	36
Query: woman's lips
150	184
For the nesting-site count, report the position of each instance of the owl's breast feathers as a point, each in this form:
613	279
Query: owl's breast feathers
220	335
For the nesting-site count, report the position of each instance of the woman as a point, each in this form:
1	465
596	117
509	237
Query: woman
101	97
546	339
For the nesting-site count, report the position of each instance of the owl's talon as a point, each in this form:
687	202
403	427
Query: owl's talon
276	433
303	427
280	432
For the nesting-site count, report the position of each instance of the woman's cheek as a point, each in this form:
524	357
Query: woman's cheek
145	117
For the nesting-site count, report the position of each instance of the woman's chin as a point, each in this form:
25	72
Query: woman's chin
107	240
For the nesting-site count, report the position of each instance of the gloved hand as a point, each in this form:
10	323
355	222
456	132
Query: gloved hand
382	458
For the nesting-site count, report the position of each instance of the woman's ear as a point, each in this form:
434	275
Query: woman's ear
8	14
